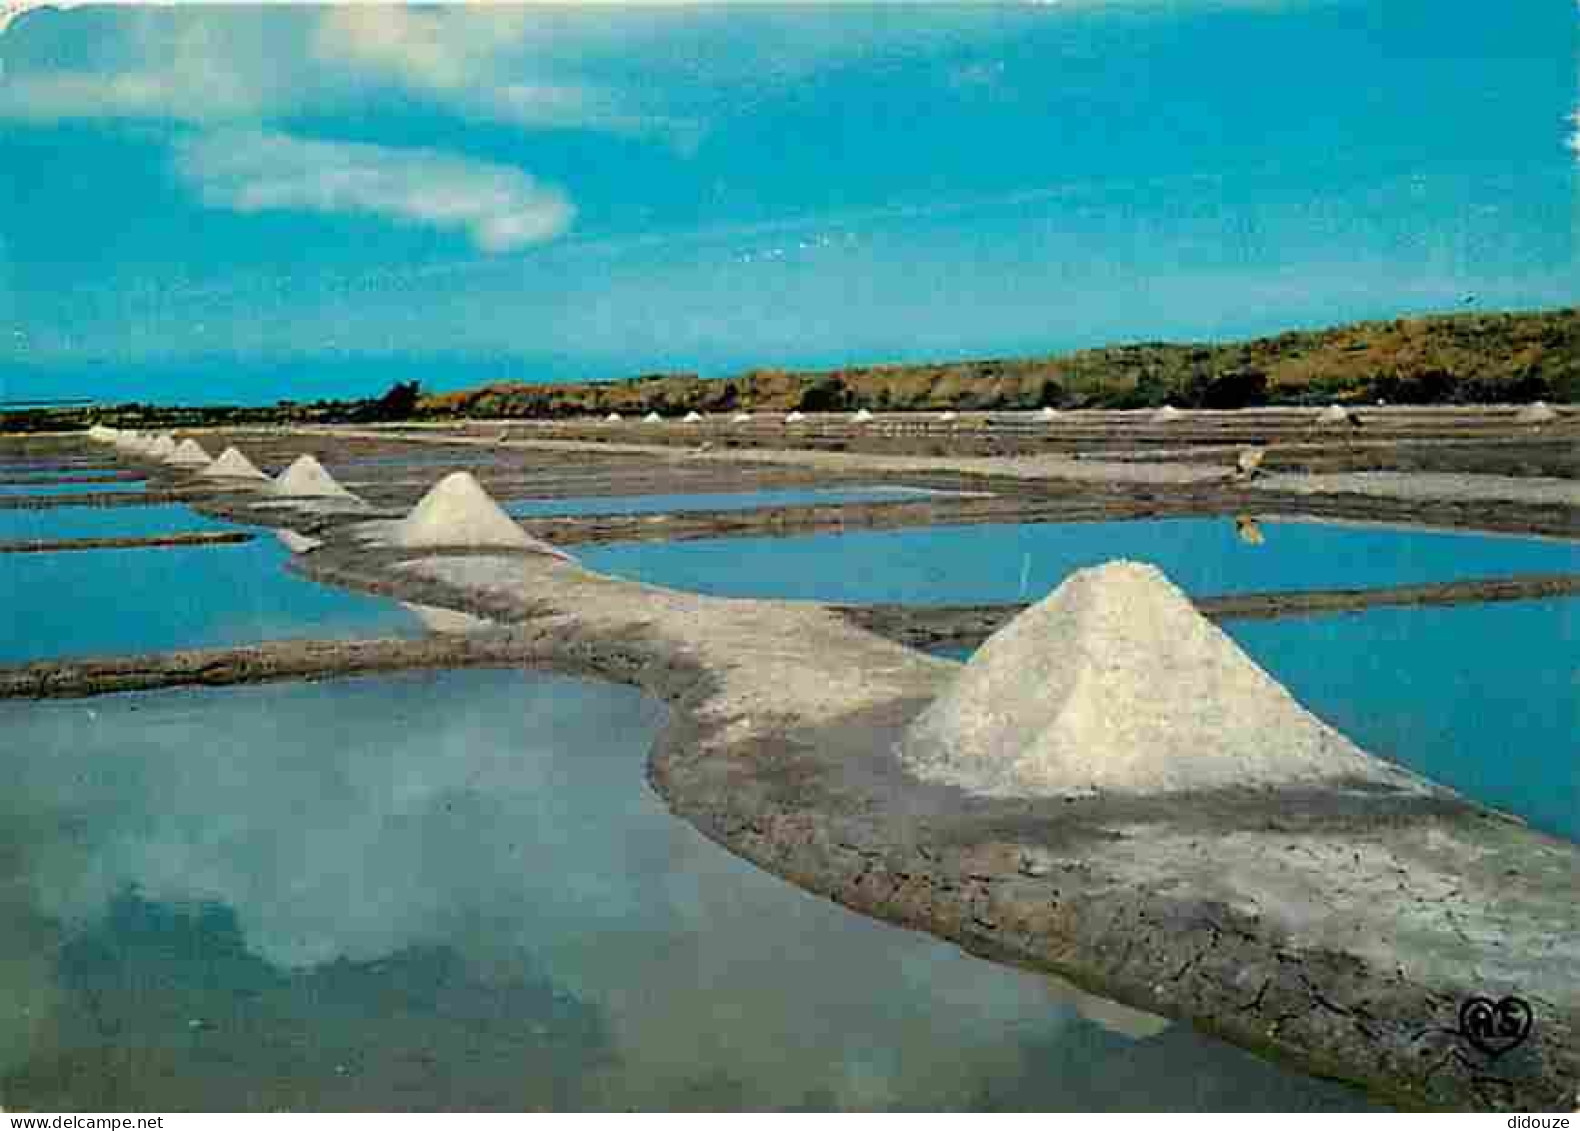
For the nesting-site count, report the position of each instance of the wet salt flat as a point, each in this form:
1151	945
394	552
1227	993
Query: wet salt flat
1481	698
1000	563
99	602
454	890
712	501
45	487
68	522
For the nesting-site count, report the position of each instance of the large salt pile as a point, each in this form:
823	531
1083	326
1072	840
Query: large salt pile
307	479
458	512
1334	414
1538	412
189	453
231	464
1115	682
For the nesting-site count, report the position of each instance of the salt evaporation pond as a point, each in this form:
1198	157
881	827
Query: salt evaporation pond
49	488
105	602
455	890
1482	698
712	501
1001	563
65	523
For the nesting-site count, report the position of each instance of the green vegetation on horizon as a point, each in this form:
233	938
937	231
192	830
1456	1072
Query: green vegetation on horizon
1439	359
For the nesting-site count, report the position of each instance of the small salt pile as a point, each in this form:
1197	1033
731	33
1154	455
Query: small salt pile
862	416
1537	412
1115	682
613	418
1166	415
231	464
189	453
741	418
297	542
307	479
652	418
162	448
795	418
946	415
1047	412
458	512
1334	414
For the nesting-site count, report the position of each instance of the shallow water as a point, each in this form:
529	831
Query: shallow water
68	522
1004	563
99	602
1482	698
45	487
713	501
456	890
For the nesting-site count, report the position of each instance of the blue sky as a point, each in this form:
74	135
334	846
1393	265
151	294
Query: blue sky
243	204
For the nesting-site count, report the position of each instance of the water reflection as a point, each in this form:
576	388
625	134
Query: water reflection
457	888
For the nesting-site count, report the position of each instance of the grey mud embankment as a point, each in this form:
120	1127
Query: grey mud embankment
1338	930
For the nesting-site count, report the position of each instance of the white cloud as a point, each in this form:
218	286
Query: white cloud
498	207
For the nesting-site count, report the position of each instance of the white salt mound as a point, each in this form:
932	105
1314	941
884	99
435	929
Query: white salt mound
795	418
613	418
189	453
297	542
1047	412
1166	414
652	418
231	464
1538	412
741	417
1116	683
1333	414
307	479
458	512
162	448
946	416
693	417
862	416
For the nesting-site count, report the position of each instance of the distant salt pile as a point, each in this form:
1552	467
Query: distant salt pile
1334	414
458	512
613	418
1047	412
1538	412
307	479
653	418
189	453
741	418
231	464
692	417
1166	415
162	448
862	416
795	418
946	416
298	543
1116	683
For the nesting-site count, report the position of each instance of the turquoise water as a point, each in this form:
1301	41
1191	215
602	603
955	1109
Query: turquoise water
996	563
1483	698
100	602
44	487
66	523
454	890
712	501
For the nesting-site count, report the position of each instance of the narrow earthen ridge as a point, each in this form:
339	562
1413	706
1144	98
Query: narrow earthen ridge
221	538
1335	929
261	663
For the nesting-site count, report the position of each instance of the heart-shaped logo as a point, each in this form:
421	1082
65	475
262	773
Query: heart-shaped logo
1495	1027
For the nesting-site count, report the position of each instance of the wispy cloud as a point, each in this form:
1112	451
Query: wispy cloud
498	207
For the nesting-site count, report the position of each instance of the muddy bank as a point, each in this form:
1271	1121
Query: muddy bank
966	626
42	546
